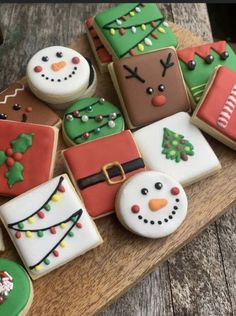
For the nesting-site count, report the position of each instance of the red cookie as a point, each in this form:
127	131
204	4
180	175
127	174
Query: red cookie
98	169
216	114
27	153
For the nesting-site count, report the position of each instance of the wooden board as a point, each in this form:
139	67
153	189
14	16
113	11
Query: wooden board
89	283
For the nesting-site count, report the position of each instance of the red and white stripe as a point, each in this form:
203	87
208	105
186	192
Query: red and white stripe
228	109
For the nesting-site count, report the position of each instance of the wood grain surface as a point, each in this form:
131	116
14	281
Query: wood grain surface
200	279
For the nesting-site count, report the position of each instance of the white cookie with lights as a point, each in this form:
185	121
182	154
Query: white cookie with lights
60	75
175	146
49	226
151	204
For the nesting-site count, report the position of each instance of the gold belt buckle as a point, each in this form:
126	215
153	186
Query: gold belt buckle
110	165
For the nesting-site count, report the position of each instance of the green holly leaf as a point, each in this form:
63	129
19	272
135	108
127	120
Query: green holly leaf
22	143
3	157
14	174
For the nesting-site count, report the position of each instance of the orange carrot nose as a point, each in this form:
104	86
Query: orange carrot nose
157	204
58	66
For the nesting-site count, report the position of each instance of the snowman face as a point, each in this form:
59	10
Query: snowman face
151	204
58	70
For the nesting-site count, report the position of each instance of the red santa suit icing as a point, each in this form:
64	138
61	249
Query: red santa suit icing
219	106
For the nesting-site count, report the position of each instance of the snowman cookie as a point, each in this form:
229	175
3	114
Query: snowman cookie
60	75
16	291
151	204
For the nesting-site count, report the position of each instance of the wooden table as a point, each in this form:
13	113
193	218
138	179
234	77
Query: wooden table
201	278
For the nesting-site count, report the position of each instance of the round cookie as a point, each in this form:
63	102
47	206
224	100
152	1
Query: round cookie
151	204
89	119
16	291
60	75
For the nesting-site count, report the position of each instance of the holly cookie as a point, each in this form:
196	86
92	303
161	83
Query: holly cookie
16	291
133	29
27	154
100	52
150	86
198	65
216	113
89	119
60	75
17	103
176	147
99	167
151	204
49	226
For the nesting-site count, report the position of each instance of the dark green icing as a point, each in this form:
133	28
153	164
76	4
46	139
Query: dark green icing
122	44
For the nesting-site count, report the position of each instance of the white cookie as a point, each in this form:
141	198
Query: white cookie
176	147
60	75
151	204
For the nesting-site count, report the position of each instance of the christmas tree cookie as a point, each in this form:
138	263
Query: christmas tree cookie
150	86
133	29
176	147
49	226
89	119
27	153
17	103
198	65
216	113
16	291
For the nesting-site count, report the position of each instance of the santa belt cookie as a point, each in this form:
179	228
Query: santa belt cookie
109	171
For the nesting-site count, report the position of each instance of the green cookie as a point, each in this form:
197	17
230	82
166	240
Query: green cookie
89	119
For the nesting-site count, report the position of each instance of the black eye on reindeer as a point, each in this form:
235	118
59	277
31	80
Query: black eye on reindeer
133	73
166	64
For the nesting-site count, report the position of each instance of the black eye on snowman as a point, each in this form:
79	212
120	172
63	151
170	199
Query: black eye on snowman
59	54
45	58
144	191
158	185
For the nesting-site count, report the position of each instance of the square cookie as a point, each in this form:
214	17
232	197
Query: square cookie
27	154
198	65
99	167
216	113
100	52
176	147
17	103
150	86
133	28
49	226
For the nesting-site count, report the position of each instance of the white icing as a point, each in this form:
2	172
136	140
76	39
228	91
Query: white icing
33	249
130	194
200	165
72	87
11	95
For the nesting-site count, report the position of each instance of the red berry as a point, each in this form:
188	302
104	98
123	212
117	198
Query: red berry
18	235
174	191
61	188
79	225
135	208
29	109
53	230
38	68
56	253
41	214
75	60
17	156
10	161
9	152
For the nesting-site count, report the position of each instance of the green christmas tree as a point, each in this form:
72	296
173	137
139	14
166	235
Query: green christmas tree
175	147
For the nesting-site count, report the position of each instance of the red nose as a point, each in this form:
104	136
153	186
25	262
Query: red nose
159	100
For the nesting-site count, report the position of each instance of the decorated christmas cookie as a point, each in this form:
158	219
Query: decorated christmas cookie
176	147
17	103
99	167
100	52
150	86
27	153
216	113
60	75
49	226
133	29
16	291
91	118
198	65
151	204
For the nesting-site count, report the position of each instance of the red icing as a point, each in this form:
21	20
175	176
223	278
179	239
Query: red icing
36	170
135	208
55	253
61	188
174	191
132	52
41	214
18	235
215	100
79	225
53	230
10	161
9	152
187	54
86	135
29	109
87	159
75	60
17	156
158	100
38	68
